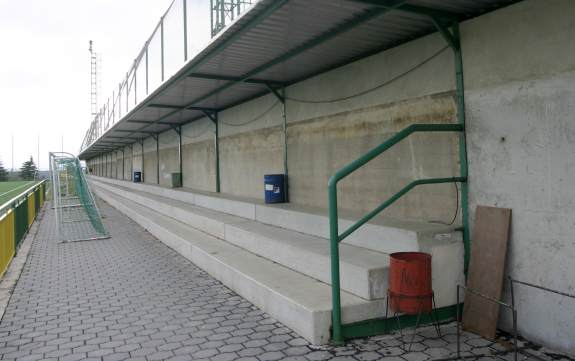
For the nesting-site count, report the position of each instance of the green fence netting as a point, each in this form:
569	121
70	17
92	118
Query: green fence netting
77	213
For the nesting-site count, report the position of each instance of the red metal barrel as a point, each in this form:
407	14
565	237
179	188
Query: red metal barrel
410	290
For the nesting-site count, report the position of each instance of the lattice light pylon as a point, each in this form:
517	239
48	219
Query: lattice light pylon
223	12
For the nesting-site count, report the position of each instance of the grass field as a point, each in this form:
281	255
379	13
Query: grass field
9	190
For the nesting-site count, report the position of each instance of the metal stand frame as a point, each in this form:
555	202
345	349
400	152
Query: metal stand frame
419	313
490	299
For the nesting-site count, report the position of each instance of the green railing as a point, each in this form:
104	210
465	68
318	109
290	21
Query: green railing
335	237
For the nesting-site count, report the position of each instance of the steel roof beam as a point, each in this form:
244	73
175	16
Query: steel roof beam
179	107
414	9
150	122
112	144
234	79
110	136
134	131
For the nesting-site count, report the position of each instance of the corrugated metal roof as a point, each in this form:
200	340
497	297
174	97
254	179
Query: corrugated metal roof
281	41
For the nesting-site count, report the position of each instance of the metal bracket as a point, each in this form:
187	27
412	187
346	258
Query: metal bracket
176	128
275	92
450	37
212	115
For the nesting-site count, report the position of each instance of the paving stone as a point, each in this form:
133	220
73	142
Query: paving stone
368	356
297	350
128	347
415	356
161	355
205	353
318	355
252	351
180	358
227	356
116	356
74	357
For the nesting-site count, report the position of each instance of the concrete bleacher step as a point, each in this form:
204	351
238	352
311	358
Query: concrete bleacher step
384	235
299	301
363	270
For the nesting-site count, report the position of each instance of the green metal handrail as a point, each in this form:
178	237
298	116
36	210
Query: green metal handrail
334	235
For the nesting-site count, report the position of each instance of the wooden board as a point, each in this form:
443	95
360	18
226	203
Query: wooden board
486	269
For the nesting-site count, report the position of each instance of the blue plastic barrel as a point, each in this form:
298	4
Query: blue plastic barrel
137	177
274	185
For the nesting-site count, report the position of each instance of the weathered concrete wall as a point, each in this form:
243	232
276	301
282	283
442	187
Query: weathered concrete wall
519	73
128	159
318	147
118	164
324	137
198	156
150	161
168	156
246	157
137	158
521	139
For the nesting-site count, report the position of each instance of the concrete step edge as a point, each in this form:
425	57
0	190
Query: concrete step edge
282	301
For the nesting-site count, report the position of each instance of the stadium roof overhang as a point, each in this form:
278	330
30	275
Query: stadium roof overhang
280	42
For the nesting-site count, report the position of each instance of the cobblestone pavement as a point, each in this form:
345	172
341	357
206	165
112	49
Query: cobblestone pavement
131	297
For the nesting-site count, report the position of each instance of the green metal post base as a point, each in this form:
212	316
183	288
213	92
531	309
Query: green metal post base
383	326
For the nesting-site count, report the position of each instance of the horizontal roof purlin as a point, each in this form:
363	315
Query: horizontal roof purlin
281	42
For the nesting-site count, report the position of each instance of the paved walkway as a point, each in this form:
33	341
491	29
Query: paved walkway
131	297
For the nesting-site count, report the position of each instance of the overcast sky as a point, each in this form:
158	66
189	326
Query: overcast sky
45	67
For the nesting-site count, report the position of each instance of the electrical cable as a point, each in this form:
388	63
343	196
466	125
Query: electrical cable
252	120
379	86
204	131
232	124
456	208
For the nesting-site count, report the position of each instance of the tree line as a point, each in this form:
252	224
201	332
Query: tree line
27	171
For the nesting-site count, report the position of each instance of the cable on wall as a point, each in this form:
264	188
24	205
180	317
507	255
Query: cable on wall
379	86
254	119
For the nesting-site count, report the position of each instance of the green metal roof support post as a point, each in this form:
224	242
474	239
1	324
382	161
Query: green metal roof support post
454	40
178	130
142	170
131	161
213	116
156	137
114	157
281	97
123	164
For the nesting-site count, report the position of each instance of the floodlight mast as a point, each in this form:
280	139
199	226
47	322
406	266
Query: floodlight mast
93	79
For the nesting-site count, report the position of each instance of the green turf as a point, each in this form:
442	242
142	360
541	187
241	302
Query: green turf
9	190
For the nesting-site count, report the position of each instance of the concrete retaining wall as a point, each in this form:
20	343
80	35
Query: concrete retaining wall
519	74
520	98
